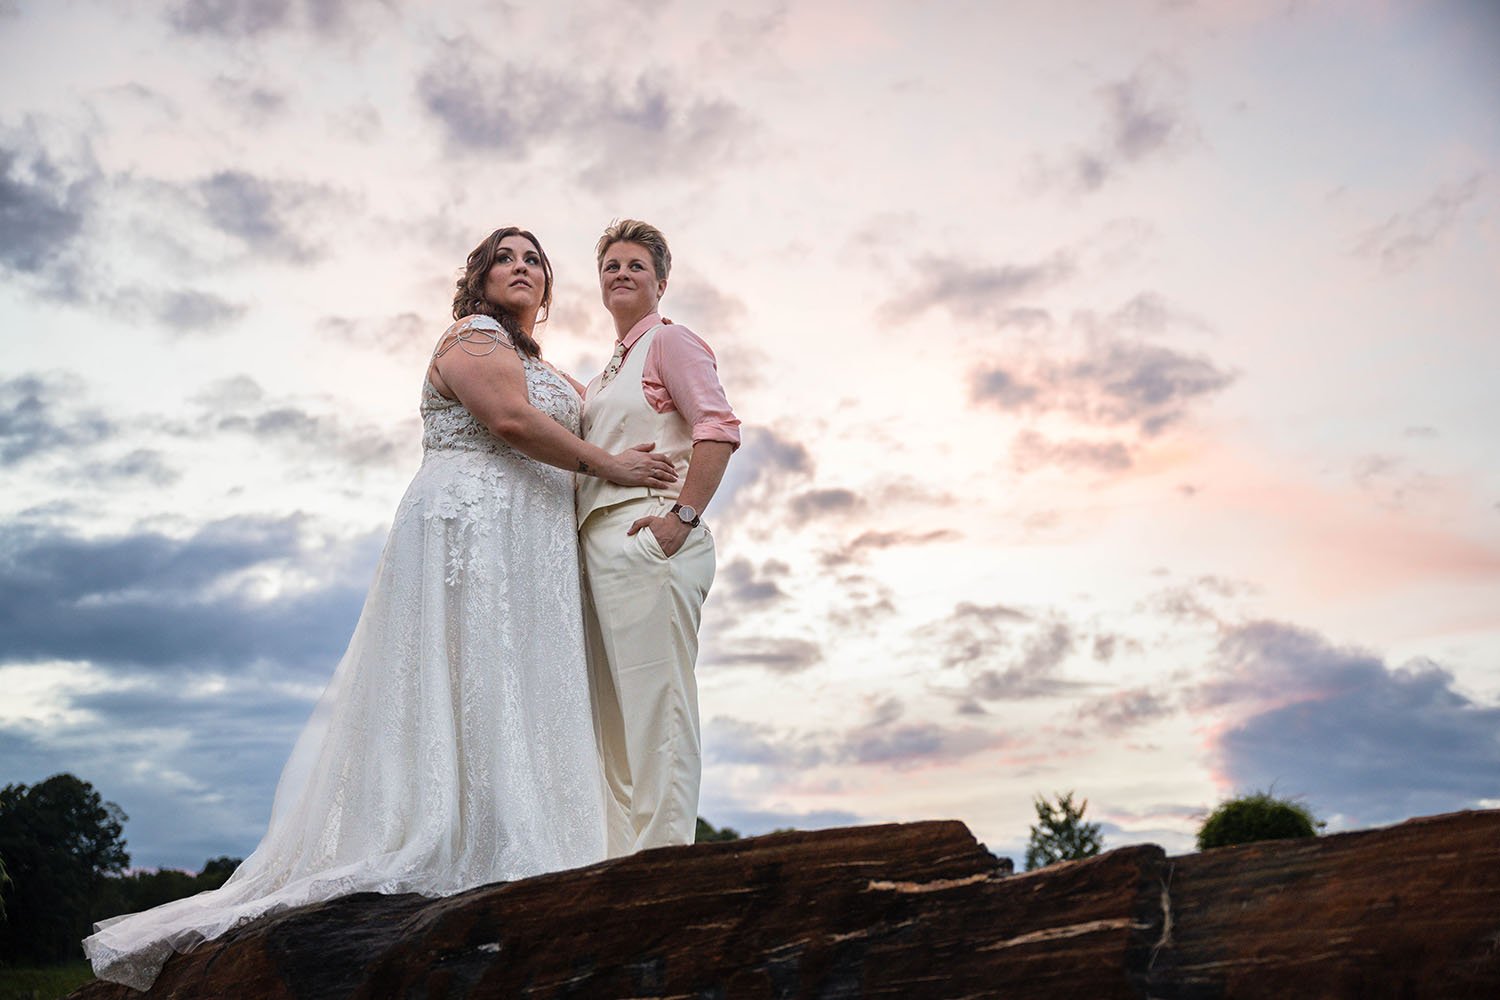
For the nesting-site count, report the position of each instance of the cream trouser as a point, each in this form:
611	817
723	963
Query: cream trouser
641	614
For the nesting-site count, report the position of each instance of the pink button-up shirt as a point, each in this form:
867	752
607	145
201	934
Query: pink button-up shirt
681	374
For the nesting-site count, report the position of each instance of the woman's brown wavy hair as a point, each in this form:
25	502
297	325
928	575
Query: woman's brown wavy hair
469	298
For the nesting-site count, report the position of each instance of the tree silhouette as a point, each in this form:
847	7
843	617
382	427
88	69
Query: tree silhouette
217	870
1060	834
59	840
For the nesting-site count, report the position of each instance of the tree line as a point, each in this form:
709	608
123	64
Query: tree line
1060	832
63	866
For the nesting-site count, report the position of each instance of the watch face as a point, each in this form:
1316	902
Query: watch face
687	514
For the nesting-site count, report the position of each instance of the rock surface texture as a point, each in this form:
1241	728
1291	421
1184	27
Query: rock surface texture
909	911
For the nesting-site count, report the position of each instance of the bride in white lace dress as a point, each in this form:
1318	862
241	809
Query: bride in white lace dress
454	745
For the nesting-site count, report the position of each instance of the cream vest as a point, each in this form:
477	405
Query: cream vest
617	416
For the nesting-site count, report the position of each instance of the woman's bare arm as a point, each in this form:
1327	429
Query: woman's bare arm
493	388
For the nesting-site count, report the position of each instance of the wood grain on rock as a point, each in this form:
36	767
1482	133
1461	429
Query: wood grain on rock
913	910
1406	911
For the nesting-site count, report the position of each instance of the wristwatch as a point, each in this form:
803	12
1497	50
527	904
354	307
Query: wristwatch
686	514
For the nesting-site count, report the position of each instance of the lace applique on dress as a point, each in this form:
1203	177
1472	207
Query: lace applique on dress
447	424
478	465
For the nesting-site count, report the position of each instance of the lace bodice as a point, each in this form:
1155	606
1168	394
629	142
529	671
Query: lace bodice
447	425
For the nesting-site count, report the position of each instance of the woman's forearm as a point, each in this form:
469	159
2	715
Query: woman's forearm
538	436
705	472
492	387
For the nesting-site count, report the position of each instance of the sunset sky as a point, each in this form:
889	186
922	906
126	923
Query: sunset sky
1119	383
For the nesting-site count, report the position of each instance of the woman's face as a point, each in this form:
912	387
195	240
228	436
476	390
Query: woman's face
627	280
516	281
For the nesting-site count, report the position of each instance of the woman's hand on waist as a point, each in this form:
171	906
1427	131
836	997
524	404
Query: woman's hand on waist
640	466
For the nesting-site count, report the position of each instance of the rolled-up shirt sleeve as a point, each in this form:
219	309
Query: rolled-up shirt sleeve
681	373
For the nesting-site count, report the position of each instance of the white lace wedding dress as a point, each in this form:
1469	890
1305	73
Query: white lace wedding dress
454	745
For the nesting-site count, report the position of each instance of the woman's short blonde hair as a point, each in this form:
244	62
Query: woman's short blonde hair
635	231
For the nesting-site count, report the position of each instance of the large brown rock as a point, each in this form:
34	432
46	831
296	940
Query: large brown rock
1406	911
915	910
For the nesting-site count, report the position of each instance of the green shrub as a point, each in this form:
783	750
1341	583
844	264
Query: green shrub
707	833
1259	816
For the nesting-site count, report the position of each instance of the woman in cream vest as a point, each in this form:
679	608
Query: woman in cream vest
648	557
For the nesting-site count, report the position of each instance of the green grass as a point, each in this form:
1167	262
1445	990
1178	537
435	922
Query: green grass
48	982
